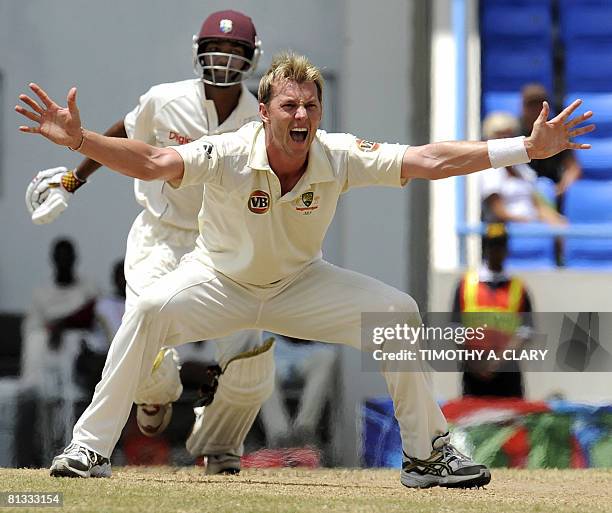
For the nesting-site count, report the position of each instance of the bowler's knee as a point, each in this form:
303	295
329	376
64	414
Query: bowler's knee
403	303
150	304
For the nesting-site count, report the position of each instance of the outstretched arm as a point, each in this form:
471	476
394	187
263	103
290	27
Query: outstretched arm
62	125
441	160
87	166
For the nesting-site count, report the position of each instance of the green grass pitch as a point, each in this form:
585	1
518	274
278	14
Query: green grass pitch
178	490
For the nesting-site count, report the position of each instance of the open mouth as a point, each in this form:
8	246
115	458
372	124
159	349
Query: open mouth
298	134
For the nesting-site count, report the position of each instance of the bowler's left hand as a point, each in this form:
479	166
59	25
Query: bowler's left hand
550	137
61	125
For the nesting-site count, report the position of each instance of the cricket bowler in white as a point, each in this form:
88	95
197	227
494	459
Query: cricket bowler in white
271	193
225	53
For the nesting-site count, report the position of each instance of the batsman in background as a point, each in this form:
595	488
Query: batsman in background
225	53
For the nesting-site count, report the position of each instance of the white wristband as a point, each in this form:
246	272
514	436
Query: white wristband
507	152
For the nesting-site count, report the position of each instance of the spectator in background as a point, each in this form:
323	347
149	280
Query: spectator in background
490	296
59	319
108	312
562	168
66	304
110	308
311	364
509	194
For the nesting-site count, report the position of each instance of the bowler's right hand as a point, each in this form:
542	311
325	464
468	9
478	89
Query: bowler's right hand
61	125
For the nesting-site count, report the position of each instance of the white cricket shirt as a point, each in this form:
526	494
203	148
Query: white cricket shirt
174	114
252	234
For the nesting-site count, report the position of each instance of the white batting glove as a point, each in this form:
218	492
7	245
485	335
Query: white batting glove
49	192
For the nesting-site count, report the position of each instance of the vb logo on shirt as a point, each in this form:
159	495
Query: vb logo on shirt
259	202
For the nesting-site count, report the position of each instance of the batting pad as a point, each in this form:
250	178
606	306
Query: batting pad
244	386
163	385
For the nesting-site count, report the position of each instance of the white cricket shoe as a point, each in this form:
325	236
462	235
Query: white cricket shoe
153	419
445	467
78	461
222	464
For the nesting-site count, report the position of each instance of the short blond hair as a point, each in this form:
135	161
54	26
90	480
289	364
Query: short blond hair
289	66
499	121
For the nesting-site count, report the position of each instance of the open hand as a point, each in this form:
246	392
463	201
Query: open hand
551	137
61	125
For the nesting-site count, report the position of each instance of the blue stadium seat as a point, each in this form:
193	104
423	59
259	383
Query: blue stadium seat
486	4
526	19
601	105
588	66
504	101
508	67
588	253
585	19
531	253
597	162
588	201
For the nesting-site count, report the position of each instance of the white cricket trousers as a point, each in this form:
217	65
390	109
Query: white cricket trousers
195	302
154	249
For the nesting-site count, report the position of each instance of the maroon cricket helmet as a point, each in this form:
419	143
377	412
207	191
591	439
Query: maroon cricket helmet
230	25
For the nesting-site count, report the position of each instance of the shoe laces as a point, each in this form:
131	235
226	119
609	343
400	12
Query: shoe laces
75	449
449	449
